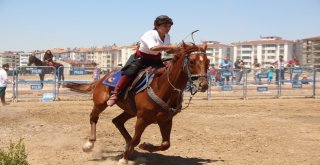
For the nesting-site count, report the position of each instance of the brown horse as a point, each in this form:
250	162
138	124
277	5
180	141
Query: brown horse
190	64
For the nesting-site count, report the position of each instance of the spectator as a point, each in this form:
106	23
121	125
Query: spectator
218	77
96	72
305	79
256	68
295	76
270	74
280	66
3	83
225	66
212	74
291	64
238	69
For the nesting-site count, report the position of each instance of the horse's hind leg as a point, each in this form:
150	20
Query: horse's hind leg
119	123
94	117
141	125
165	128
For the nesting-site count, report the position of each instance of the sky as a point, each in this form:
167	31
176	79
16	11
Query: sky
27	25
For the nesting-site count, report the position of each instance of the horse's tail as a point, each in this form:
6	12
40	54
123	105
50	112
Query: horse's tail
81	88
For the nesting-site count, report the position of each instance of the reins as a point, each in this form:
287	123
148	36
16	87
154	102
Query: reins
173	110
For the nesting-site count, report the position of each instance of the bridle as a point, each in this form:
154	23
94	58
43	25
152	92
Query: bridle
191	78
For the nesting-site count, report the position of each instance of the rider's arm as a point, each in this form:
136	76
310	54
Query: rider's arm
166	48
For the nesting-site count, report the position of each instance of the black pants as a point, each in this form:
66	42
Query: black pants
138	63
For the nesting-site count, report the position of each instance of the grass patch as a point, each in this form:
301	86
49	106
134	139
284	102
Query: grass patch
15	154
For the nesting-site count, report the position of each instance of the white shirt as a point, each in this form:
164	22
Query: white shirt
151	39
3	78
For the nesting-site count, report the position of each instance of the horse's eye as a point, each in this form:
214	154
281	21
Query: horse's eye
192	62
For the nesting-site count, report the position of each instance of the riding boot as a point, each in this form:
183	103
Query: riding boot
122	84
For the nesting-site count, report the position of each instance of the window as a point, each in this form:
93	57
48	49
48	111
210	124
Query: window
271	51
271	57
246	46
246	52
270	45
281	46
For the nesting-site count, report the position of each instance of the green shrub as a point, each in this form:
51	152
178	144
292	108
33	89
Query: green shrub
15	155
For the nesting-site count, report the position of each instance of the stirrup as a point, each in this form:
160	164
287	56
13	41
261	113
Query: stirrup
112	100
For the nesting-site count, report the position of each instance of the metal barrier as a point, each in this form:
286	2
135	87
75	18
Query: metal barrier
28	83
293	82
317	83
298	81
227	84
270	83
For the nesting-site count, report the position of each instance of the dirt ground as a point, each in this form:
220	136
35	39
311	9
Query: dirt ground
264	131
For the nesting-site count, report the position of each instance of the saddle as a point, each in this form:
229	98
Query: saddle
53	64
140	81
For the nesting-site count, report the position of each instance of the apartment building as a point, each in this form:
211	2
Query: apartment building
267	50
24	58
125	53
217	51
311	51
12	58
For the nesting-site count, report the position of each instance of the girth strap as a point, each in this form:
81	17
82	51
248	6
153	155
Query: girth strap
156	99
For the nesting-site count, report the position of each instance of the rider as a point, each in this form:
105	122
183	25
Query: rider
48	58
152	43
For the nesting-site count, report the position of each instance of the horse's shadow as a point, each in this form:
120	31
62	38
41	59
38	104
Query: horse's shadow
153	158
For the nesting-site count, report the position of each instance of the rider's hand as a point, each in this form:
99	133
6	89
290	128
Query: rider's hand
174	49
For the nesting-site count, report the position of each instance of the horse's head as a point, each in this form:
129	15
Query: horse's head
196	65
32	60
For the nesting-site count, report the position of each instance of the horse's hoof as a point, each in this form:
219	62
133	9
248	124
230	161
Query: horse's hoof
88	146
145	146
123	161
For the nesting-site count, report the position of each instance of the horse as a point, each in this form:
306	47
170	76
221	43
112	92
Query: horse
37	62
190	64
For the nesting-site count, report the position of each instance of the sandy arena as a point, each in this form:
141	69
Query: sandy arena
265	131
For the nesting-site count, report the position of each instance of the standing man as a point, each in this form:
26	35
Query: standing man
238	70
280	66
256	67
96	72
291	64
3	83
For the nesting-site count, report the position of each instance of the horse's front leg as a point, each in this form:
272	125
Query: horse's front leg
41	76
94	117
165	128
141	125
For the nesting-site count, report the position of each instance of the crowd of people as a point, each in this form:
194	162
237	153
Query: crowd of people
232	73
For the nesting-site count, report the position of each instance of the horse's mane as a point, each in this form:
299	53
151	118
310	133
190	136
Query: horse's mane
37	60
186	48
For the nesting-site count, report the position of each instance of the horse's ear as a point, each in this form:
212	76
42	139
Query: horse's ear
183	44
203	46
